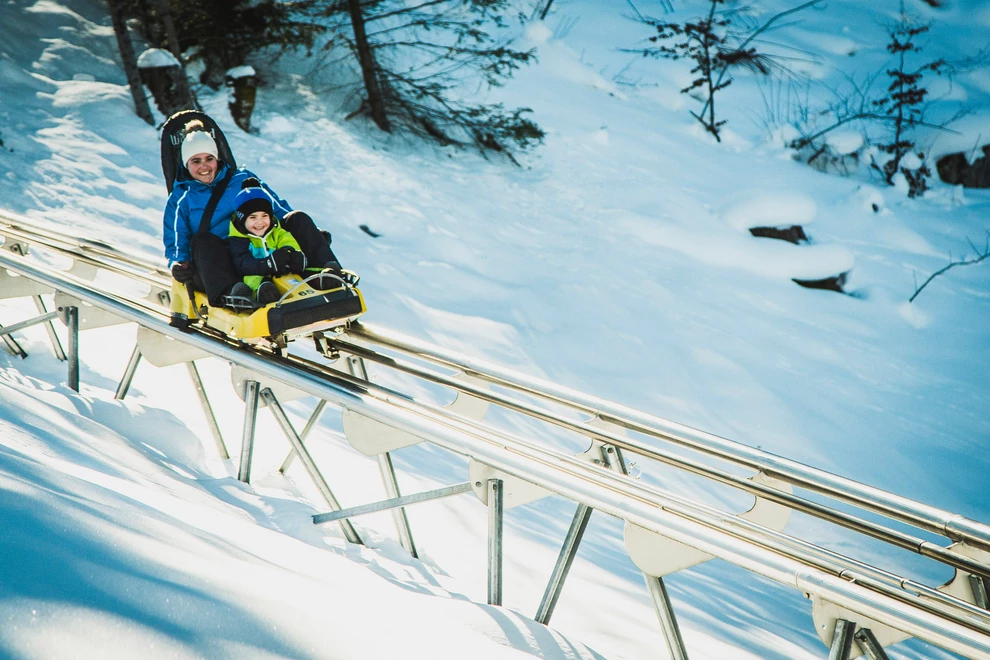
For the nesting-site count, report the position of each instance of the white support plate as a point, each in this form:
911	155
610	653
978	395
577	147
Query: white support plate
89	317
162	351
658	555
515	491
372	438
240	375
14	286
960	586
83	270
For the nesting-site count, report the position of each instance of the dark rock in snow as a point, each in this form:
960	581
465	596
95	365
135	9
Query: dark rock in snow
834	283
956	168
793	234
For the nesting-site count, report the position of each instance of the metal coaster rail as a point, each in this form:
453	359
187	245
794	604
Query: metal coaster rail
877	595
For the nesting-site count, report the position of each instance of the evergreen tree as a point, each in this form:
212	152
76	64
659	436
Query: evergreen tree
418	61
224	33
718	47
905	103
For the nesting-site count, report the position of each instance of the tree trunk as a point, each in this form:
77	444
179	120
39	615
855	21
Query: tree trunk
172	37
368	70
130	61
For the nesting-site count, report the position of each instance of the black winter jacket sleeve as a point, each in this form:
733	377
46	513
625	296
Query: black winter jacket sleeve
244	261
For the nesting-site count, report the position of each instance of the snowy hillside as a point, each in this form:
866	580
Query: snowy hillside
616	260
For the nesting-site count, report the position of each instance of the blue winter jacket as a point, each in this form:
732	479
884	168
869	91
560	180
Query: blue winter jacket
186	204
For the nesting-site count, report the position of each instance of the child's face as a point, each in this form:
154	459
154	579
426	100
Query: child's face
257	223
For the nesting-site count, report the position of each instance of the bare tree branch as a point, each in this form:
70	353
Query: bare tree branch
980	256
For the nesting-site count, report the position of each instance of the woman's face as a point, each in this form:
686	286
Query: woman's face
203	167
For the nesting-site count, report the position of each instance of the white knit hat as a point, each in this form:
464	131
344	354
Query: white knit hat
198	142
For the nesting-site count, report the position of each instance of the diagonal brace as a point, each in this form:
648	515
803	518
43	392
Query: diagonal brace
393	503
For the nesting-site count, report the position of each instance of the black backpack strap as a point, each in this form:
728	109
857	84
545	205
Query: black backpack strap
211	206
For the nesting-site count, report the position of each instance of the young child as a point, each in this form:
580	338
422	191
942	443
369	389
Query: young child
259	247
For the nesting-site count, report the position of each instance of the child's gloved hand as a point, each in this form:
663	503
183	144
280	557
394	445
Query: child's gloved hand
286	260
297	261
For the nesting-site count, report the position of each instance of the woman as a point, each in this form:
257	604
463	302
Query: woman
194	244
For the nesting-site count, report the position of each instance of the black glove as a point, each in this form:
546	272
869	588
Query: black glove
183	272
284	261
250	182
297	262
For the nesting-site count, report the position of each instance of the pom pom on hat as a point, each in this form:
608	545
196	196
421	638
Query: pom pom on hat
251	200
198	142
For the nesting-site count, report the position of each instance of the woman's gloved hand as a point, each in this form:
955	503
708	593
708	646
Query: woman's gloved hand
183	272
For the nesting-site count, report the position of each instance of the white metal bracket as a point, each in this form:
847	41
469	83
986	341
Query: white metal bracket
90	317
15	286
163	351
517	492
239	376
658	555
372	438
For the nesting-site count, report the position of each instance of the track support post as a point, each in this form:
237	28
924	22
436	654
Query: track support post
871	648
250	422
495	541
842	640
979	585
305	432
665	614
358	368
314	472
70	316
52	336
125	380
204	402
563	566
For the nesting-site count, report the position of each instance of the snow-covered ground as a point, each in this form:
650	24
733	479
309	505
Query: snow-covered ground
617	260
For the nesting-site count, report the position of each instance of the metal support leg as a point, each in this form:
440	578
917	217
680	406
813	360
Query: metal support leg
612	459
399	514
250	421
665	614
305	432
358	368
979	585
567	553
842	640
314	472
495	541
869	645
211	419
52	336
125	380
72	323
